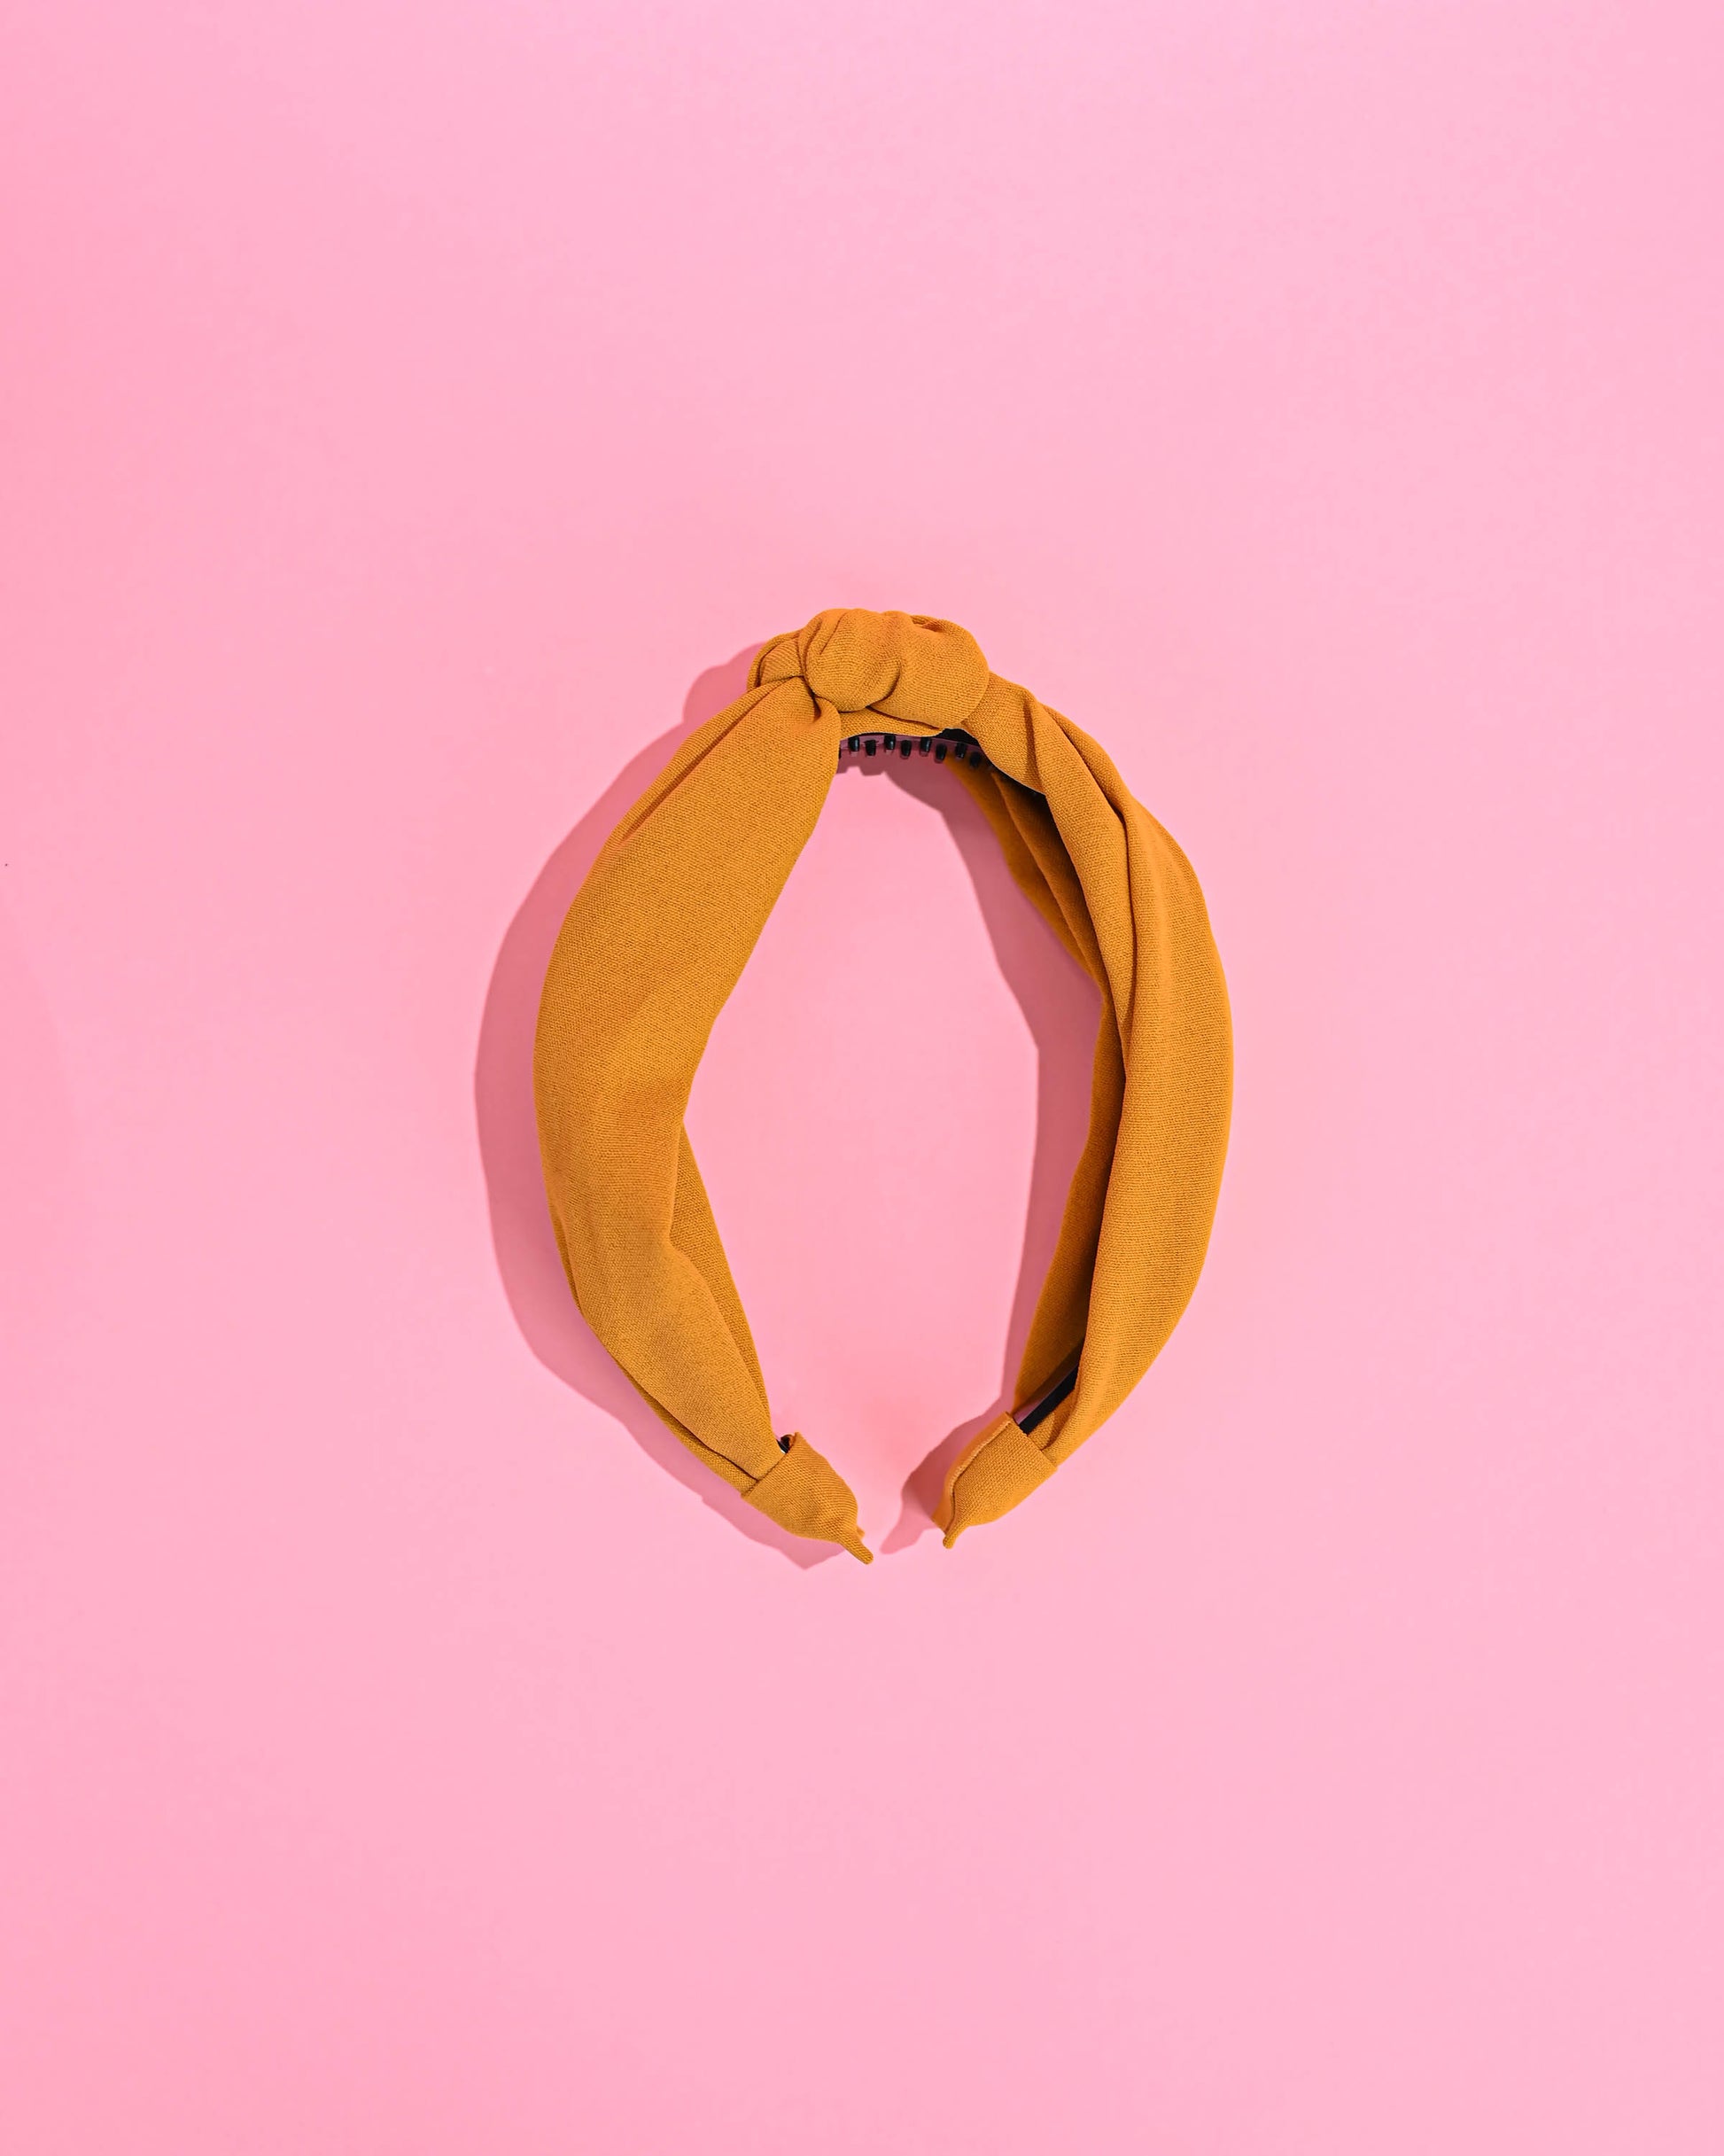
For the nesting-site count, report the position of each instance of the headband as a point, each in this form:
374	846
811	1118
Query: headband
657	937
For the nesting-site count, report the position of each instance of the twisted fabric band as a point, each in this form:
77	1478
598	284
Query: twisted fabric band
657	937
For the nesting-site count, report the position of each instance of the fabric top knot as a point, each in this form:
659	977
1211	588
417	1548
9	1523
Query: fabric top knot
913	668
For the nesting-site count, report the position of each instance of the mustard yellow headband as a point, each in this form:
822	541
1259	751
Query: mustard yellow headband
657	937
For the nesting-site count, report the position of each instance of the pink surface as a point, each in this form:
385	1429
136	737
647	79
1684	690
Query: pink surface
413	416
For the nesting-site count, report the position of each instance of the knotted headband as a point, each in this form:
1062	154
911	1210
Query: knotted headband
657	937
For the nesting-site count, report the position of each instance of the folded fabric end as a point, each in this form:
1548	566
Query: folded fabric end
805	1494
996	1470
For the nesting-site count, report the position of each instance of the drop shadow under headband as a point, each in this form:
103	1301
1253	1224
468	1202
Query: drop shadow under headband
657	937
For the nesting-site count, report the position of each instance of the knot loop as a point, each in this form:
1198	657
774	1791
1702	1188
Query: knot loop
915	668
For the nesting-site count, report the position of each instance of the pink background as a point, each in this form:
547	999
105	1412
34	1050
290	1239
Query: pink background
413	416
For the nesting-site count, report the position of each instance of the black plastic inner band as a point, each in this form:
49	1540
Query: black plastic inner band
1049	1401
